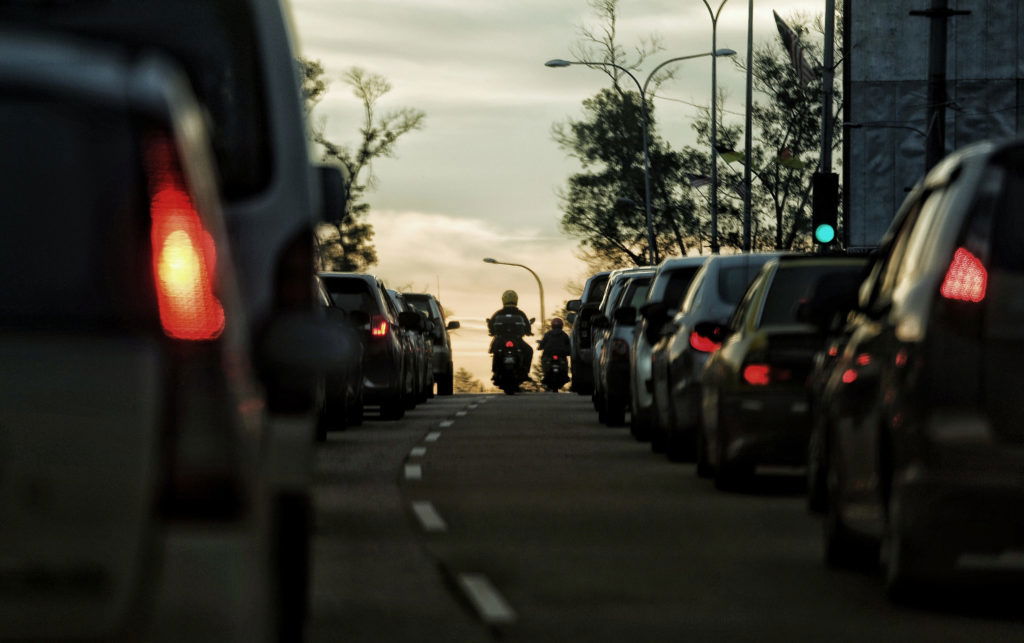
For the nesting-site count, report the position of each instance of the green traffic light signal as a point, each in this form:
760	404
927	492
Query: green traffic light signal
824	233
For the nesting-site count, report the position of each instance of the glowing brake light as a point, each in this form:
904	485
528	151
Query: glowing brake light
184	255
703	344
966	278
379	326
864	359
849	376
510	344
757	374
554	357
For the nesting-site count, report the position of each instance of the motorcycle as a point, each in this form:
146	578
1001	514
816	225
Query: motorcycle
509	358
556	372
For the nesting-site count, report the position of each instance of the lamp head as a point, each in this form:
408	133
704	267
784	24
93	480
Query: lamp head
718	53
557	62
490	260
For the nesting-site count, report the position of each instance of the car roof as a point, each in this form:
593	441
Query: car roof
683	262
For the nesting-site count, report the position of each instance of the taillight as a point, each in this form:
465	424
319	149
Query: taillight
757	374
510	344
849	376
703	344
864	359
379	326
833	350
184	255
554	357
966	278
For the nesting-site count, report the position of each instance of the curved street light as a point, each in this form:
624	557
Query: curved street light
714	13
652	249
540	286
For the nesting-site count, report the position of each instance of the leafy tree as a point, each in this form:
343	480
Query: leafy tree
346	239
464	382
603	205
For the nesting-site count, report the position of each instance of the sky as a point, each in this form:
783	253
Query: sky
482	178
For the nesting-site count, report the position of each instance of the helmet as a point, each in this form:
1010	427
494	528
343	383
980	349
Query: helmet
556	323
509	298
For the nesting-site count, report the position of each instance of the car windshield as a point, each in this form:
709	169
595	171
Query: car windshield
350	295
794	285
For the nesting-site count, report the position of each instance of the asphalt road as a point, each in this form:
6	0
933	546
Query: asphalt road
522	519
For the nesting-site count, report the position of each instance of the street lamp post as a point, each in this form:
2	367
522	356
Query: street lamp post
714	13
540	286
652	248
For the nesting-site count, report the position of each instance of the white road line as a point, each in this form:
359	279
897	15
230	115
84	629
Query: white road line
489	604
444	424
473	406
413	472
418	452
429	519
460	414
433	436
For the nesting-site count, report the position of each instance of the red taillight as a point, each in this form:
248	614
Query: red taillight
184	255
849	376
864	359
833	350
901	358
703	344
757	374
966	279
554	357
379	326
510	344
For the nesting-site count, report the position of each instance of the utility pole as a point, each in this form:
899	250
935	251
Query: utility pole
825	202
939	14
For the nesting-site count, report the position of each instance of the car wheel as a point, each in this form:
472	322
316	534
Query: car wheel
393	408
614	412
730	475
679	446
640	426
843	548
704	468
817	466
321	426
446	384
292	525
355	412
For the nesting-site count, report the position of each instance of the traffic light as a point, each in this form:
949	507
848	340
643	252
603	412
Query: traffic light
825	208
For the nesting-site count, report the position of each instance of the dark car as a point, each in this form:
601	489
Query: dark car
666	293
388	374
679	354
613	362
443	368
130	414
580	312
756	406
924	422
419	348
342	395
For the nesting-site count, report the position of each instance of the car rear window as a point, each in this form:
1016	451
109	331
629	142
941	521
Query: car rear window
636	292
422	304
794	285
215	41
1007	244
351	295
679	281
597	288
732	283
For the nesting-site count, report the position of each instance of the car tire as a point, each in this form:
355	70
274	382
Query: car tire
640	426
704	468
354	412
292	529
817	471
393	408
730	475
679	446
446	384
843	548
614	412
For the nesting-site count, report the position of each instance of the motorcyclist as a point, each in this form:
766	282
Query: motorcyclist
555	341
509	300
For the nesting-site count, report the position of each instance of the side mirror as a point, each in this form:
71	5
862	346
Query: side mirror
655	312
410	320
333	194
625	316
574	305
570	317
453	325
599	321
532	319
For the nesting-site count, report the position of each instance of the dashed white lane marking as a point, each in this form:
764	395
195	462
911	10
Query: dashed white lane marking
418	452
444	424
460	414
489	604
473	406
429	519
433	436
413	472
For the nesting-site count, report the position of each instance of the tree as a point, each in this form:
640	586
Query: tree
346	240
464	382
603	205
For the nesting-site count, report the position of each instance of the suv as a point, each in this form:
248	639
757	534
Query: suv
130	415
418	347
925	431
387	362
580	312
443	369
613	374
601	322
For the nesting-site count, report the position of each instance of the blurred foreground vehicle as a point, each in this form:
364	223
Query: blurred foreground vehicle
131	416
612	363
443	369
387	364
679	354
581	310
925	426
666	293
238	57
342	397
754	388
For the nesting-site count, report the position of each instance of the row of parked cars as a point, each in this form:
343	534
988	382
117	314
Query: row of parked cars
164	352
890	377
403	350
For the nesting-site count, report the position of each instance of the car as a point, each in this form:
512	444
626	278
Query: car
925	438
671	281
755	400
240	62
443	369
419	349
599	331
613	362
342	396
679	355
130	410
388	367
580	312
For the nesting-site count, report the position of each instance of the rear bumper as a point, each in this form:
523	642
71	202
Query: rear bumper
770	428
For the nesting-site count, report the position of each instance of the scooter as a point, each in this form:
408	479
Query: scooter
556	372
